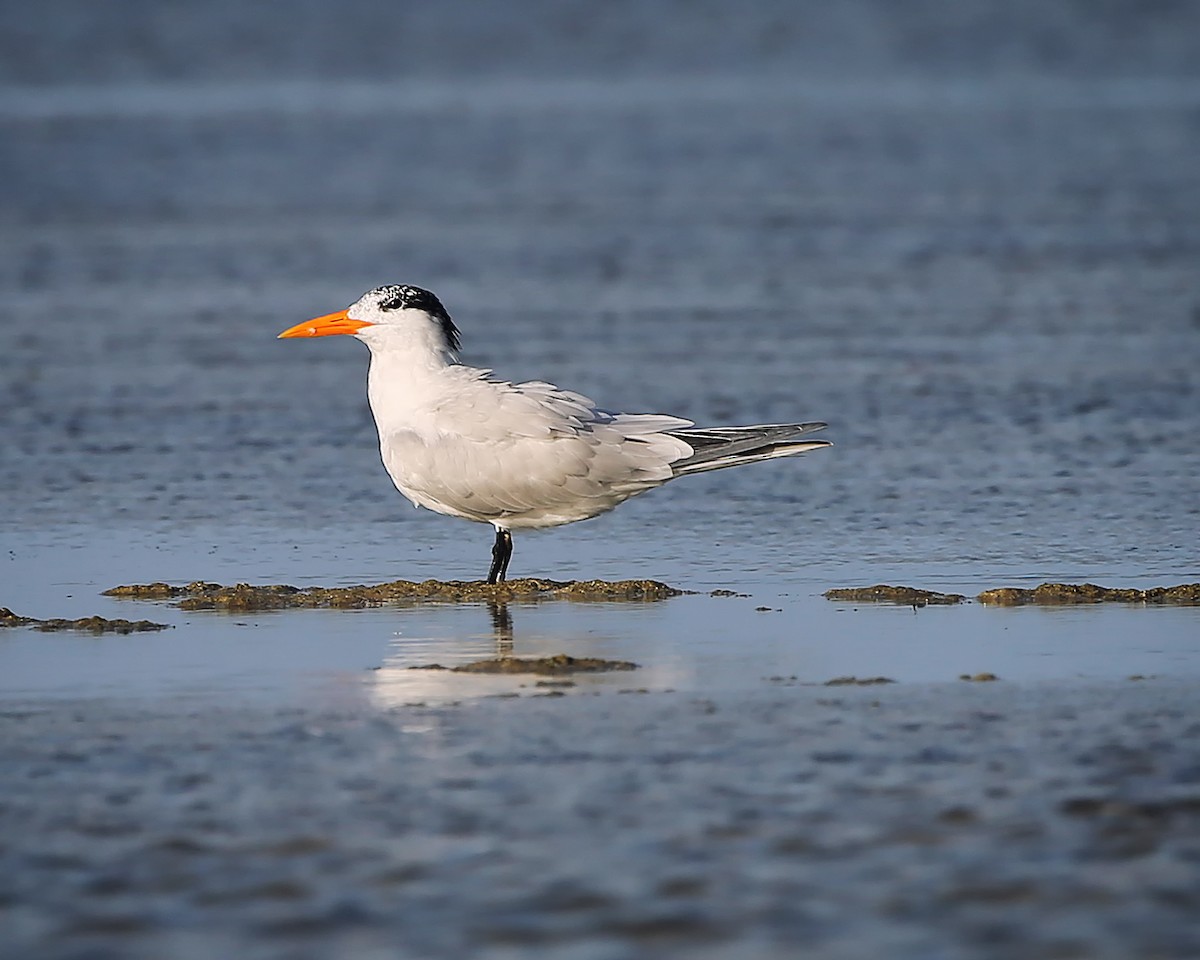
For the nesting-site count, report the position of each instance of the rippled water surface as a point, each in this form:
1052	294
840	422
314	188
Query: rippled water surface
965	235
985	285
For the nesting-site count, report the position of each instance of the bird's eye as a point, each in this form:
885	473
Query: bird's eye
394	298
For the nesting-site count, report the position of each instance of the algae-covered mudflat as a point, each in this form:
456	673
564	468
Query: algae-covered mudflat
248	597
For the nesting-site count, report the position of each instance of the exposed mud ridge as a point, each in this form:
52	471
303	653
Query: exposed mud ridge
556	665
10	619
244	596
1069	593
882	593
88	624
1046	594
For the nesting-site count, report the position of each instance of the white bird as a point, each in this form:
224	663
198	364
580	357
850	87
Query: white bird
516	455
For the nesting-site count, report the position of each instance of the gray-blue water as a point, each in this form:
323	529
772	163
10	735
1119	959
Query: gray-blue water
966	235
976	260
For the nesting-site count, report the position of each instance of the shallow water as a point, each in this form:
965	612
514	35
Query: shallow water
968	238
984	279
697	643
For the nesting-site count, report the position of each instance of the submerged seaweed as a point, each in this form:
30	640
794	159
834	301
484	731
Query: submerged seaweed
555	665
857	681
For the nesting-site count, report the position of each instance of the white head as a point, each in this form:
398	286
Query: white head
397	316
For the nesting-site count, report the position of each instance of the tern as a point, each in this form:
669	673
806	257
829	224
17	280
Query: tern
519	456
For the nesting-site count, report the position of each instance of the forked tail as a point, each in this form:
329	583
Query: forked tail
718	447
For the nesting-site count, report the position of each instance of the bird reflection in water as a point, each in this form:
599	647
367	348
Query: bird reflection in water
502	628
401	681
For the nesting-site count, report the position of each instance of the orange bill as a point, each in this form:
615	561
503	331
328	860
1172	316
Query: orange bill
325	326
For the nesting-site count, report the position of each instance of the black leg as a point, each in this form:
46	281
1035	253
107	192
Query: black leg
501	552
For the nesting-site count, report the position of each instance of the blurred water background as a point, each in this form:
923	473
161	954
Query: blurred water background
967	235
